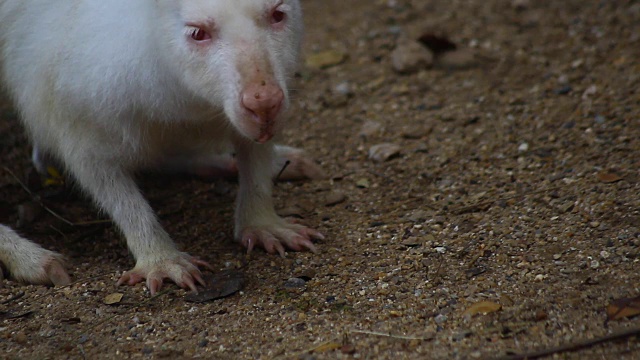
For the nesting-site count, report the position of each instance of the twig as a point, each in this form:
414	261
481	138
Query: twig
622	334
402	337
37	199
13	298
436	276
345	340
306	351
284	167
465	209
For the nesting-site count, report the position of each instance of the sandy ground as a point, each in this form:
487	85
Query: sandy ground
515	182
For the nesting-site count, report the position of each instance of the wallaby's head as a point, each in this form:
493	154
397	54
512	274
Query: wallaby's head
238	54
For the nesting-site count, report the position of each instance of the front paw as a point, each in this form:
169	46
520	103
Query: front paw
181	268
278	236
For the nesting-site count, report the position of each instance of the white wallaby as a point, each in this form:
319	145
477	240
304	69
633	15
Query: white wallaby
107	88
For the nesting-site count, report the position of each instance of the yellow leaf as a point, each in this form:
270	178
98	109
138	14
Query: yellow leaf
113	298
483	307
54	178
326	59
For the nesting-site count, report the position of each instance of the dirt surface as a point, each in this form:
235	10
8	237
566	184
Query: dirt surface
516	182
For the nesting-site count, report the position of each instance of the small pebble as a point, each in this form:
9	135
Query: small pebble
344	88
370	128
563	90
295	283
203	343
439	319
334	198
383	152
363	183
410	57
523	147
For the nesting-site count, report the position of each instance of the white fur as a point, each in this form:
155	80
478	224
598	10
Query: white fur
29	262
110	87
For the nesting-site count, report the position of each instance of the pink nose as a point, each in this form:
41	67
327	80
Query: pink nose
264	100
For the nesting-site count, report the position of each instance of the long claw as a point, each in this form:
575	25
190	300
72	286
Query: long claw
199	279
314	234
250	245
280	249
309	245
182	269
187	282
57	274
154	285
280	237
199	262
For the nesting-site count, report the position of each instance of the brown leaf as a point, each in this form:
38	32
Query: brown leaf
608	177
219	285
483	307
348	349
623	308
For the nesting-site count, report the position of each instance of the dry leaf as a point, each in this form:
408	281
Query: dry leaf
608	177
329	346
326	59
623	308
219	285
114	298
482	307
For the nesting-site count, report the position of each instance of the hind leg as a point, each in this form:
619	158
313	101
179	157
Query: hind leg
28	262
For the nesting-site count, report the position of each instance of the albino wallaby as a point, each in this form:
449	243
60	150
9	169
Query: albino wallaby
107	88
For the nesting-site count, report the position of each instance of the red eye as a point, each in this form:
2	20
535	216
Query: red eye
198	34
277	16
